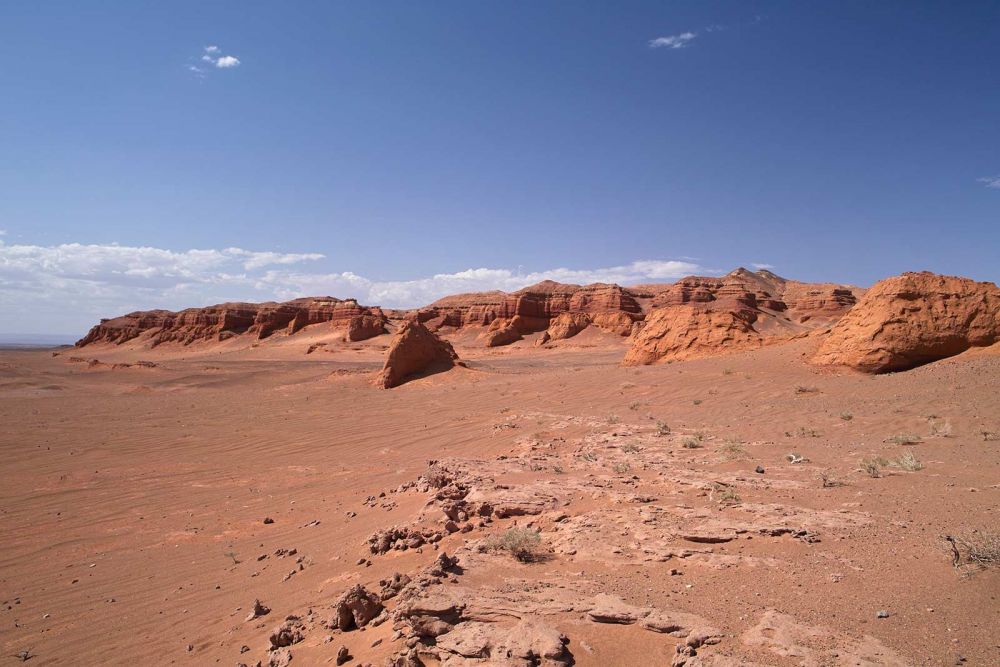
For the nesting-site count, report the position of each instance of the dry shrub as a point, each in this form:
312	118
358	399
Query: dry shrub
524	544
979	548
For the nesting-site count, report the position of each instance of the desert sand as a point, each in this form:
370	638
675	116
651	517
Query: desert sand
754	507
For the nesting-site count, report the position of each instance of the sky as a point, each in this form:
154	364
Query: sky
176	154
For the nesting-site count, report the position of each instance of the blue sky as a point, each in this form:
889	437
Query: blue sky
396	151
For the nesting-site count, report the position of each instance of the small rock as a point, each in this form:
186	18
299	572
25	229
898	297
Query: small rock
268	520
343	655
882	614
759	470
258	609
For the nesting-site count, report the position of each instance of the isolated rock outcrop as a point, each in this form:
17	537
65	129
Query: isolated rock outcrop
913	319
224	321
689	332
414	349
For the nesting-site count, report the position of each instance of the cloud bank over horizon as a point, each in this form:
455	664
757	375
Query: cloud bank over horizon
67	288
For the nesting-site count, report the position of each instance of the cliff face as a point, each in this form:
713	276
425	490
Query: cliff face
693	317
698	316
913	319
224	321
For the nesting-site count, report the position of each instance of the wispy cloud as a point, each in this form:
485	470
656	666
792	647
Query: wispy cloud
992	182
760	266
69	287
212	55
681	40
672	41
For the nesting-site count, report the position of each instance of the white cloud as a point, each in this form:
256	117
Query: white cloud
672	41
992	182
762	266
69	287
213	56
3	232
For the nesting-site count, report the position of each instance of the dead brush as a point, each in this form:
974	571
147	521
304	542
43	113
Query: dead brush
803	389
990	436
978	548
621	467
631	448
904	439
524	544
662	428
907	461
872	466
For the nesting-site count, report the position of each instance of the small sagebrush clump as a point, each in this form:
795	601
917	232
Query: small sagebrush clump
524	544
726	495
662	428
802	389
733	450
630	448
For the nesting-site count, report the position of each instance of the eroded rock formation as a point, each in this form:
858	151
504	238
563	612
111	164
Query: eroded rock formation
414	349
699	317
223	321
913	319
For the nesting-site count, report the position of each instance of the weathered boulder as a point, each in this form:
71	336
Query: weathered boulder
913	319
413	350
355	609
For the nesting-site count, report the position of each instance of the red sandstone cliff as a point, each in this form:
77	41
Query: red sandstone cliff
260	320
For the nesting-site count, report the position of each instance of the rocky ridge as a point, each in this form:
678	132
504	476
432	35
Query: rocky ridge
224	321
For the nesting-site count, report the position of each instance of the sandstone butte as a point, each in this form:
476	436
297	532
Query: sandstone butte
414	349
899	323
913	319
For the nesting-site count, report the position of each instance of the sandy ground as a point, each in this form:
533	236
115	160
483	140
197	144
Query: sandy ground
133	502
